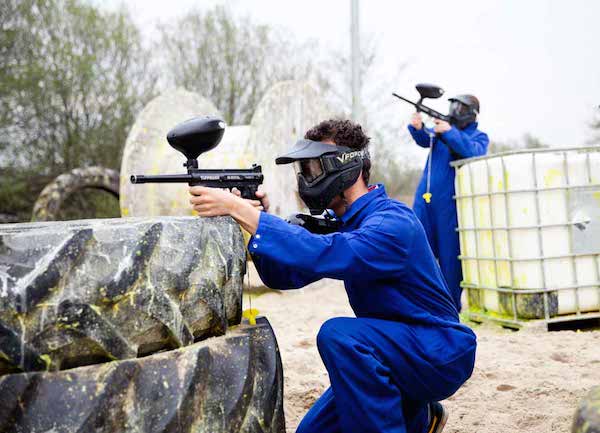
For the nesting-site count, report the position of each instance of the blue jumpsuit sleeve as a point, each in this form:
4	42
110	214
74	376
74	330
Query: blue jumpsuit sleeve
421	136
465	145
277	275
289	256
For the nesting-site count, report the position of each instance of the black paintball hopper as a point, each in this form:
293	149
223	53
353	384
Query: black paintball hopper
308	149
196	135
429	91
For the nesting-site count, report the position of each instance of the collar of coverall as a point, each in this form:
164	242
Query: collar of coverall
471	126
375	191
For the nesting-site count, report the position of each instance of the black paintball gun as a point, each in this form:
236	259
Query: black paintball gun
319	225
194	137
427	91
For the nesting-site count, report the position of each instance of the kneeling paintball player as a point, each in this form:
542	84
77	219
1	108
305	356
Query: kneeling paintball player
434	203
406	348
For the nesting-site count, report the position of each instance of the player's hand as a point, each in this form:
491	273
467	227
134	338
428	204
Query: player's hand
261	204
213	201
416	120
210	202
441	126
264	200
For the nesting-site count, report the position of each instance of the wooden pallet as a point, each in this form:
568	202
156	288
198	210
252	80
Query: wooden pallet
559	323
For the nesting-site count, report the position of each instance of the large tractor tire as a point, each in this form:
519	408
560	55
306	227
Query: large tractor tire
147	151
587	416
52	197
82	292
227	384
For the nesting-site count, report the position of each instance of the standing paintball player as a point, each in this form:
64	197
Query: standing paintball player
434	204
405	349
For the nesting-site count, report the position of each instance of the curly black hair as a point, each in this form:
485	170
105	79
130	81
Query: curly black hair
343	133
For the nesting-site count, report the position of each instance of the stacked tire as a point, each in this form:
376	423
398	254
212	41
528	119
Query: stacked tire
587	415
132	325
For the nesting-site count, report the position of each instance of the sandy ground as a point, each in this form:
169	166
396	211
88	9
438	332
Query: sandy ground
525	381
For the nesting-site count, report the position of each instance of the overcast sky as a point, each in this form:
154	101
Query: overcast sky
534	64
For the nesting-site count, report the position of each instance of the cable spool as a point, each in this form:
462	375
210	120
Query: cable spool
284	114
147	151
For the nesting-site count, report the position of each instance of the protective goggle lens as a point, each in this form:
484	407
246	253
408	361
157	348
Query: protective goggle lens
458	108
311	169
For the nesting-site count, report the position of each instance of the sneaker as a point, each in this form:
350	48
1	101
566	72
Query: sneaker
437	417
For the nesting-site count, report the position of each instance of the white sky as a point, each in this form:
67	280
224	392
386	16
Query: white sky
534	64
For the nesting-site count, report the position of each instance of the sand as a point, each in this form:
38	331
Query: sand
525	381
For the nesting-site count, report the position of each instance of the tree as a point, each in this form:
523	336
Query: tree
232	62
72	80
378	117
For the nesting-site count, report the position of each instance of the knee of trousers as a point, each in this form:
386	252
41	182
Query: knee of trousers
334	334
305	427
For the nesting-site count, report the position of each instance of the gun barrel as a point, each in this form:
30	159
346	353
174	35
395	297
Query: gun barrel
404	99
245	180
164	178
425	109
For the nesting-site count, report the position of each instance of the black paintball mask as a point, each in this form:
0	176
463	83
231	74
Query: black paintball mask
323	171
463	110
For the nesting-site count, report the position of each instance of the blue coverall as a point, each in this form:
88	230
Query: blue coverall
439	216
406	346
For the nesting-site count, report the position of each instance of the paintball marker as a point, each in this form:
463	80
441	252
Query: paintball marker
427	91
194	137
319	225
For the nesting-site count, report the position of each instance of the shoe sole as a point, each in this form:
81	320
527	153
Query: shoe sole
441	425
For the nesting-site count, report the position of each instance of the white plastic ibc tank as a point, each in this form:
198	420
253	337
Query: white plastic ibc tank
529	224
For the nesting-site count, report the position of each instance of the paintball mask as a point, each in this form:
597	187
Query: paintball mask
463	110
323	171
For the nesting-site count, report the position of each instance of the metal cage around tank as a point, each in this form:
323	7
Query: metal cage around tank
529	229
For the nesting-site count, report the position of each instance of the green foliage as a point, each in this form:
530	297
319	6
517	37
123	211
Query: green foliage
232	62
96	203
17	194
72	80
376	115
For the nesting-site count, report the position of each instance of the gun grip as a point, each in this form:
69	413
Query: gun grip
249	192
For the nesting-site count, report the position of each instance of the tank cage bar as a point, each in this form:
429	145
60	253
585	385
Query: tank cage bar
508	229
526	259
528	291
516	322
583	149
589	186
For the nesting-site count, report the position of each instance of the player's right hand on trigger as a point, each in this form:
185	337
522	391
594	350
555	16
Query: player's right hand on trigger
264	200
416	121
261	204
